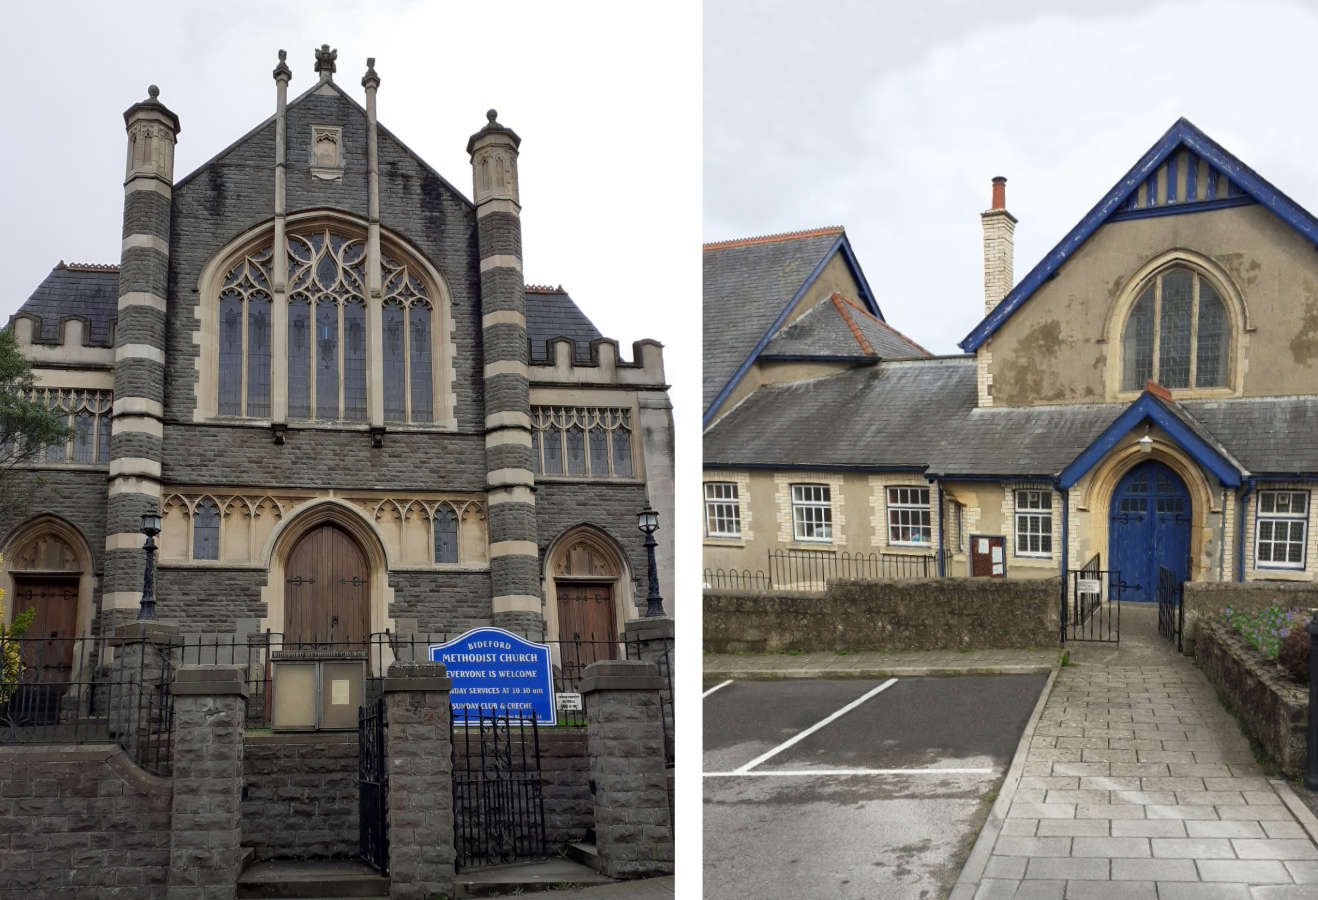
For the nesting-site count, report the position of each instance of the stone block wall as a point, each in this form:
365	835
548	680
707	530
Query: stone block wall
1203	599
300	795
945	614
81	821
1273	708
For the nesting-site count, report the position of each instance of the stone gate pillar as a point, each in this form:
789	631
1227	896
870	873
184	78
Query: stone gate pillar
625	739
418	756
210	713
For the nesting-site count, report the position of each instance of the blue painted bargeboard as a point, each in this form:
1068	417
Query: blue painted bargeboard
496	669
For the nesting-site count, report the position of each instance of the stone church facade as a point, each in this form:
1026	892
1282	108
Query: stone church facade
1144	398
318	362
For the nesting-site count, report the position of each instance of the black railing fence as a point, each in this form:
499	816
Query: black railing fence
90	690
737	580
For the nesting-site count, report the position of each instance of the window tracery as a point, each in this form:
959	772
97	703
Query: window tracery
1177	334
581	442
87	413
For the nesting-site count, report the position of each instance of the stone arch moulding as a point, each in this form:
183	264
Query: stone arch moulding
1204	501
616	570
1242	323
207	310
72	557
298	522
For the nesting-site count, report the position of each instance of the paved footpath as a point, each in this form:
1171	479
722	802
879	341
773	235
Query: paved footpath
870	664
1135	783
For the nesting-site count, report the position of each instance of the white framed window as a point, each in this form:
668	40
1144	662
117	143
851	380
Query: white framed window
956	534
812	513
909	521
1034	523
722	509
1281	529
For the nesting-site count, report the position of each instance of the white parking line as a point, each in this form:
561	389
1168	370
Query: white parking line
807	772
815	727
715	688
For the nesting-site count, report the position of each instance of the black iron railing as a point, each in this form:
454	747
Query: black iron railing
737	580
813	569
90	690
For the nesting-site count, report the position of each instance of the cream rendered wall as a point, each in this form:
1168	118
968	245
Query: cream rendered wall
1053	349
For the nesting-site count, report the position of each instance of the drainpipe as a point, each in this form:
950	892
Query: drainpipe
1240	531
1221	539
938	499
1066	556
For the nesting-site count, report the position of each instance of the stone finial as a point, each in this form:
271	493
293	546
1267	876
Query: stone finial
370	80
325	58
152	91
282	71
492	115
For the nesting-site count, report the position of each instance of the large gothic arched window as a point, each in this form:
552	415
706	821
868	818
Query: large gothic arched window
1177	333
327	338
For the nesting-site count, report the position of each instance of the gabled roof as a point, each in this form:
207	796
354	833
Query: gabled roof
840	329
1136	196
550	313
75	291
750	286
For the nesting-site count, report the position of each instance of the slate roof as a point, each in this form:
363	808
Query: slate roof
550	313
922	413
841	327
748	283
78	291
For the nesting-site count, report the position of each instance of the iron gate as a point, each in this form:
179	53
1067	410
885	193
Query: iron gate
1092	611
498	803
372	785
1171	610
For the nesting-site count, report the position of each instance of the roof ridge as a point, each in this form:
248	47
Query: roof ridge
871	315
88	267
545	289
840	302
773	238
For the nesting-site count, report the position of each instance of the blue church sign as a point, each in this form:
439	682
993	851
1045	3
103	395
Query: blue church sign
495	669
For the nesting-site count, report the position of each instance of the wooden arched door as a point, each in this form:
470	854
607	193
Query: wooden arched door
327	594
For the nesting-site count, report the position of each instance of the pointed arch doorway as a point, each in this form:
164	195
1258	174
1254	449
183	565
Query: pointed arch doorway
327	591
1149	528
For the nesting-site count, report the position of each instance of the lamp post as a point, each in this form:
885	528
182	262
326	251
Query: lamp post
150	528
647	520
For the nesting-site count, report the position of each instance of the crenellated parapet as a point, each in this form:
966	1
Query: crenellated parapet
605	368
73	345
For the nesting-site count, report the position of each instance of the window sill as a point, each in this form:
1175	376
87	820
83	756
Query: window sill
585	479
1218	393
444	567
1280	573
65	467
712	541
1035	560
355	425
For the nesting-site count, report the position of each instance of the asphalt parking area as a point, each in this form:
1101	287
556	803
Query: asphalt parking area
853	787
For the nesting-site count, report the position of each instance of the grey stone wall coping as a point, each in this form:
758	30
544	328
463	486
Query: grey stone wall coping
17	757
157	632
658	628
301	737
217	681
402	685
621	675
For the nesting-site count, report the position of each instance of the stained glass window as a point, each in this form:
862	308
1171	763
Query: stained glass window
231	354
589	442
1174	327
299	358
1138	343
354	361
327	360
1214	336
84	424
206	531
1184	317
446	535
258	355
419	359
576	451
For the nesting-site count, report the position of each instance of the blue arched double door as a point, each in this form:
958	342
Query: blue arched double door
1149	527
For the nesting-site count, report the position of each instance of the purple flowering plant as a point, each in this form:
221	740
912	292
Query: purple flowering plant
1264	628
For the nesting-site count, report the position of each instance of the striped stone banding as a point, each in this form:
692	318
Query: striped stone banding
511	494
129	424
518	437
506	420
141	298
507	367
147	242
514	548
139	351
507	456
510	478
134	466
515	575
499	234
139	406
143	269
129	484
502	289
149	183
501	261
505	341
514	603
504	317
490	207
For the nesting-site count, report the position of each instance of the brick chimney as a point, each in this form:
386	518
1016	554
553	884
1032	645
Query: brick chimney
999	230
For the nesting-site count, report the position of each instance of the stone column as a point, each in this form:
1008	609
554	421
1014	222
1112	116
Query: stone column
137	428
210	710
510	484
625	739
418	756
652	641
137	690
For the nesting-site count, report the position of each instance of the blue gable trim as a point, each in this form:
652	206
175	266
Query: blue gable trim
841	244
1151	408
1182	133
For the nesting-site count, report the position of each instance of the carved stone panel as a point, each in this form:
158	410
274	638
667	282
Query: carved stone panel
45	553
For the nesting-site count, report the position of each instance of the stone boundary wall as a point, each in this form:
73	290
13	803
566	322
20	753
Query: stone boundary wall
1274	709
1202	599
300	795
82	820
942	614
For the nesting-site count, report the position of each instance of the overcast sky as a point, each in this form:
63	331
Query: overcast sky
607	105
890	119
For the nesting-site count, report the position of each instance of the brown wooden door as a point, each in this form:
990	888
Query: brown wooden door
326	592
585	613
48	644
988	556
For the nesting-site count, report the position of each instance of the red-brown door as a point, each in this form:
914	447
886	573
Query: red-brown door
326	592
585	614
48	641
988	556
